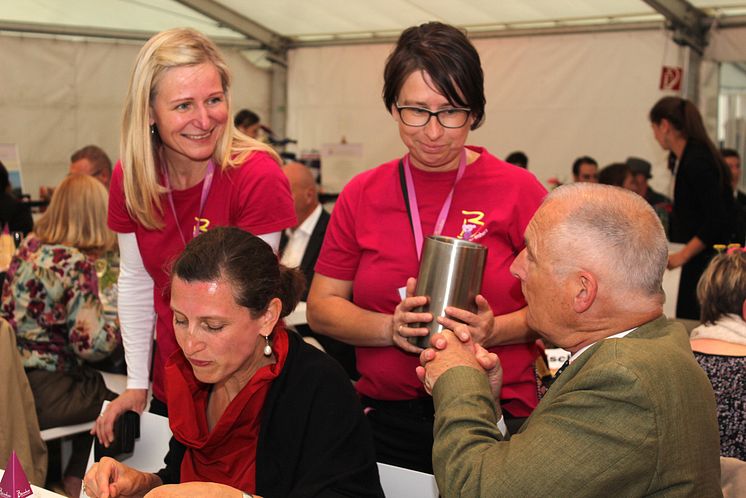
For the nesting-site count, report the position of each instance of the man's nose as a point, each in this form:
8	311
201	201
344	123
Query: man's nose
518	267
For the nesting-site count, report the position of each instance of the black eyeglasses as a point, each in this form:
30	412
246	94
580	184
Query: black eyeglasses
454	117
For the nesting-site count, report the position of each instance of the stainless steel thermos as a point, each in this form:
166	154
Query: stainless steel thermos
450	275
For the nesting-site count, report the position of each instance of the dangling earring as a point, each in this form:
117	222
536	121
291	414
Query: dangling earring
267	346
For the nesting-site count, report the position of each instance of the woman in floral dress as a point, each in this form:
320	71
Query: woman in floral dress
51	299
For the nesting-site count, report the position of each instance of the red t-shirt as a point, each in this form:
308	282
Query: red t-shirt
369	241
255	197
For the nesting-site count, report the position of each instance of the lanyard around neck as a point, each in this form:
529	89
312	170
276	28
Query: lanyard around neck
414	211
206	184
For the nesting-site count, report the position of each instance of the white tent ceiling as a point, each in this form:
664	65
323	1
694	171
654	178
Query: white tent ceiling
543	90
303	21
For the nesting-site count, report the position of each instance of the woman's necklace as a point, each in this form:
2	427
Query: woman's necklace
207	183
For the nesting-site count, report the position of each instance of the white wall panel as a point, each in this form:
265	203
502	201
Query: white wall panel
59	95
555	97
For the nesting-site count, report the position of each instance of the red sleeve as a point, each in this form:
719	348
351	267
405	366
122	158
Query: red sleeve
262	202
340	253
119	219
530	194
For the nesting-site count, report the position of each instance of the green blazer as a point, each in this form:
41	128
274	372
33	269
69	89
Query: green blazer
633	416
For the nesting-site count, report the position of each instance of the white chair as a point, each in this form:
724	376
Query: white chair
398	482
150	448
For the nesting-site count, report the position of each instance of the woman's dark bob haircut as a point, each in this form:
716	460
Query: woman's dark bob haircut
447	56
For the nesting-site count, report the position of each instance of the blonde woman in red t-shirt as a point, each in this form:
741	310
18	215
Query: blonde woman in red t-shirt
184	169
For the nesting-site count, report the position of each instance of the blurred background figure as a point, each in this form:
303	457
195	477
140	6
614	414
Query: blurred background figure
301	244
585	169
51	299
719	344
248	123
704	211
661	204
518	158
733	159
641	170
617	174
13	213
91	160
300	247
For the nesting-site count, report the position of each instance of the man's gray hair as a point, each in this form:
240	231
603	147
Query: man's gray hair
615	229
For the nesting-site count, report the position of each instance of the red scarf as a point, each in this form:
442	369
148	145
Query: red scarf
227	454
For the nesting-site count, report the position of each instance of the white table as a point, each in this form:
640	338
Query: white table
39	492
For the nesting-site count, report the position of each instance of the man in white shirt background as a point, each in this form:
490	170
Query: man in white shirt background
300	247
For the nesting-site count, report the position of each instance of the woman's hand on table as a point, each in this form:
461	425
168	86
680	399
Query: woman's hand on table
404	317
195	490
112	479
130	400
480	325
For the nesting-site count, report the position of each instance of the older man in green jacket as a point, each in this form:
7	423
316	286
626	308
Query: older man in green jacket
631	415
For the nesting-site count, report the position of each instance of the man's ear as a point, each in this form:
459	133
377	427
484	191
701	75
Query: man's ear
665	126
585	292
310	195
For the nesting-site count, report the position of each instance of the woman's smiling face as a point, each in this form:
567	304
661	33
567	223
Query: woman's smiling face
190	111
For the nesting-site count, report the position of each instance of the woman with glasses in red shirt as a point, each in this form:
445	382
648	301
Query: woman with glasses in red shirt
362	292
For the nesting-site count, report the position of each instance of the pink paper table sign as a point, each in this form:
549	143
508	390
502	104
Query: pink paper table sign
14	483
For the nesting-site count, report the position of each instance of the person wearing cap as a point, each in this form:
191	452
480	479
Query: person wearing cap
641	174
641	170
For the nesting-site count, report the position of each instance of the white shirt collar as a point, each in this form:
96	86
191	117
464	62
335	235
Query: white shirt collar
582	350
310	223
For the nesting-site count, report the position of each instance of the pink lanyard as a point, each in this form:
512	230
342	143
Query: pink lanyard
206	184
415	211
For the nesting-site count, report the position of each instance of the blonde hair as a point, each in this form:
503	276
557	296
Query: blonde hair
76	216
166	50
722	287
